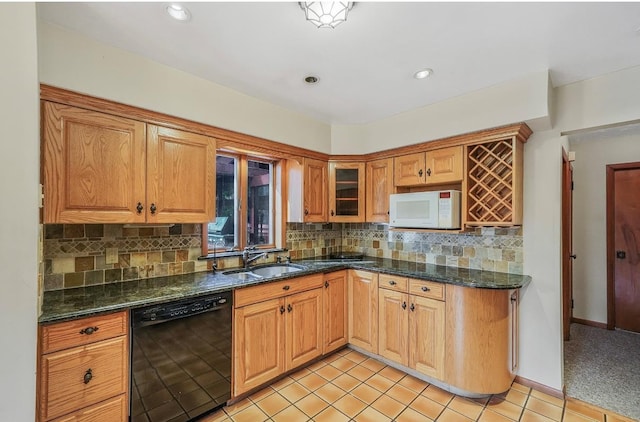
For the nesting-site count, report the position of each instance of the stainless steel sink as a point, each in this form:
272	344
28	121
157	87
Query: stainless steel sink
276	269
263	271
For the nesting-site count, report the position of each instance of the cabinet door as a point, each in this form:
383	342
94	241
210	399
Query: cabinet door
257	343
513	319
393	326
444	165
379	185
303	328
426	336
93	166
409	170
346	192
181	176
315	191
363	310
335	311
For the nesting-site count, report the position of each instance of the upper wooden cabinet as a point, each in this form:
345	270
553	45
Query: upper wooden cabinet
439	166
379	185
315	191
493	187
99	168
346	192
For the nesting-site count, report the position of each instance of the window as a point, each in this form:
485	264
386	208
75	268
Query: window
244	203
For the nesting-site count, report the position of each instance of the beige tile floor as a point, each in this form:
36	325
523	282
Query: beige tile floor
348	386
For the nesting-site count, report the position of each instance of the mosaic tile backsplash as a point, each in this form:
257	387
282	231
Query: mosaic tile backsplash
74	255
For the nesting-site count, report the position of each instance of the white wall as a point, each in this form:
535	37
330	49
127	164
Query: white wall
72	61
589	217
19	170
525	99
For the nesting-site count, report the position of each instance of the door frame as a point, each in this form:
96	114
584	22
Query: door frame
611	259
567	233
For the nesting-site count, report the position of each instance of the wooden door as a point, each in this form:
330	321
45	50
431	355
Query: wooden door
427	336
93	166
334	302
363	310
346	192
258	344
409	170
393	326
378	185
567	247
181	176
315	191
303	336
625	250
444	165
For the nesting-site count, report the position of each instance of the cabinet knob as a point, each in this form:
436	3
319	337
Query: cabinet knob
425	289
139	208
428	172
420	172
289	308
326	284
306	211
282	310
89	330
393	283
404	305
413	307
332	213
286	287
153	208
88	376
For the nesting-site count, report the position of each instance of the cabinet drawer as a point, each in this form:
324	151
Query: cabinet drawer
276	289
393	282
424	288
64	335
65	381
112	410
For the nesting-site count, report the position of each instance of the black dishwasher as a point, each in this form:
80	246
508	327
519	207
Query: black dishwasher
181	358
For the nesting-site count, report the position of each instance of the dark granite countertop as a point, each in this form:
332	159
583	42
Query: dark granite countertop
80	302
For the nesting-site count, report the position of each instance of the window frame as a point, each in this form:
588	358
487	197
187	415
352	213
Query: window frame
241	214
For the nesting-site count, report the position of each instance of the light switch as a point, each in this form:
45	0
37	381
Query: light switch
112	256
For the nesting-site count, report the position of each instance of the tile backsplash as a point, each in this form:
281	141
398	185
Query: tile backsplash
74	255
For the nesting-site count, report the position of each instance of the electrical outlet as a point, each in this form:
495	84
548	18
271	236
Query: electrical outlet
112	256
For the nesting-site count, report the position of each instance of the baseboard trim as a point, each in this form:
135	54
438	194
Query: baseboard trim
589	323
540	387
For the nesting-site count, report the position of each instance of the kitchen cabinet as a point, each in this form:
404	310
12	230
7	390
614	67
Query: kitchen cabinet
346	192
315	191
438	166
335	311
493	187
481	326
378	185
99	168
412	325
363	310
84	369
277	327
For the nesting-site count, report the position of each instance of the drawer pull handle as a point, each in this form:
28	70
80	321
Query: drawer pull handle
326	284
286	288
413	307
89	330
393	283
289	308
404	305
425	289
139	208
282	309
88	376
153	208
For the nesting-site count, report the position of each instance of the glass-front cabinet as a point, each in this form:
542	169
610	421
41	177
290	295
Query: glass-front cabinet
346	192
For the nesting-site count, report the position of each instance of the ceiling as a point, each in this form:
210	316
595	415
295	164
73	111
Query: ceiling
366	64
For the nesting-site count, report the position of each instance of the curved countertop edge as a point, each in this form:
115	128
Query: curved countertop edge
80	302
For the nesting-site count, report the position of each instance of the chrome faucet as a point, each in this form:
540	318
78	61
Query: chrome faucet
246	259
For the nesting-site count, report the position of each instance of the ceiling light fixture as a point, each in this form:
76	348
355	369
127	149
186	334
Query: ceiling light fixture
178	12
326	14
424	73
311	79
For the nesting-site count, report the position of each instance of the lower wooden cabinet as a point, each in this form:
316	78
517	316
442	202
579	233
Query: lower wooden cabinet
363	310
273	336
84	370
335	313
412	330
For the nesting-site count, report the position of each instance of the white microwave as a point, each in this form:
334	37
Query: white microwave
425	210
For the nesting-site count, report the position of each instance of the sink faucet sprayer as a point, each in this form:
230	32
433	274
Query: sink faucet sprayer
246	259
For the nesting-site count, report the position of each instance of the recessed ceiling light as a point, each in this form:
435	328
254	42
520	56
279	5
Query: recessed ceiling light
424	73
311	79
178	12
